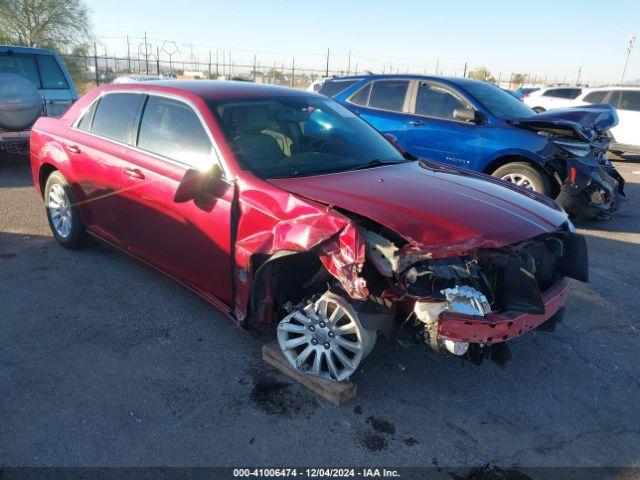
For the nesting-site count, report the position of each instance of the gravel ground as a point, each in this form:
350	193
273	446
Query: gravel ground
106	362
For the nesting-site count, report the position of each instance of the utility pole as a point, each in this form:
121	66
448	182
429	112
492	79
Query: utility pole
630	46
95	63
356	68
437	65
209	64
578	76
293	71
327	70
464	74
146	54
255	73
349	64
128	56
217	64
158	59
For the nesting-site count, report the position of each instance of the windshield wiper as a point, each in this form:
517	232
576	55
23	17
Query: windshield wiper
376	162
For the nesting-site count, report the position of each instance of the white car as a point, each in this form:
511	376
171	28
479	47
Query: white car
626	100
552	97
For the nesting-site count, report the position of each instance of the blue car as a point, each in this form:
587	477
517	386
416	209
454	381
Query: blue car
478	126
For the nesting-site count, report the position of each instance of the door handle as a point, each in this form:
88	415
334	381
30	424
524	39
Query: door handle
417	123
134	173
74	149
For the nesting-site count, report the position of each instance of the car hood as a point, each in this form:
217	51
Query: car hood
434	206
577	123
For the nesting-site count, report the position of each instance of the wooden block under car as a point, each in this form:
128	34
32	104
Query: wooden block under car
337	393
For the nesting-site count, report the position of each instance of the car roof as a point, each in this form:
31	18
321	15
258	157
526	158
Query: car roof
215	90
614	87
25	50
462	81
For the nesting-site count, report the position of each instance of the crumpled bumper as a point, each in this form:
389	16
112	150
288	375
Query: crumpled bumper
500	327
592	191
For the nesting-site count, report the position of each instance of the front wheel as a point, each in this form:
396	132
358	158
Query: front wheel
526	176
62	212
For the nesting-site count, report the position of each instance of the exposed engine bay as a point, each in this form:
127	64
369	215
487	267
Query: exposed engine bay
465	306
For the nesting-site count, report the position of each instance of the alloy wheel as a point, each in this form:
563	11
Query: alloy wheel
60	210
520	180
325	338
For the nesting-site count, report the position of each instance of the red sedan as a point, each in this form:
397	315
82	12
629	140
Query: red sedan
288	212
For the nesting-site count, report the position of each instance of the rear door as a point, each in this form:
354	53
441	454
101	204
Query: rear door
384	104
627	131
433	132
96	145
190	241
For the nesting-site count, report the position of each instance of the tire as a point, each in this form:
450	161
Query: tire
64	217
538	109
535	179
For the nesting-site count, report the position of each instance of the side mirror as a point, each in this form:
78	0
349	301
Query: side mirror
196	182
391	138
465	115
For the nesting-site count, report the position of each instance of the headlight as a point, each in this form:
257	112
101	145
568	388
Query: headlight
577	149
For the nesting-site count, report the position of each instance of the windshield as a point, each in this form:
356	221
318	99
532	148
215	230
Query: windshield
293	136
497	101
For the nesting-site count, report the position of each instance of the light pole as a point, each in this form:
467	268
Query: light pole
630	46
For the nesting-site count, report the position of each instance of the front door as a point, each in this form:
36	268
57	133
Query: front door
434	133
190	241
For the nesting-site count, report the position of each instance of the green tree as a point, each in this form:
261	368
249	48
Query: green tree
483	74
54	24
517	80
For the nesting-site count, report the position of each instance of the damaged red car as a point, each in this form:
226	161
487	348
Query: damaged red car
292	215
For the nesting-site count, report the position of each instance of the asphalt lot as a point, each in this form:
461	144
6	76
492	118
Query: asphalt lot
105	362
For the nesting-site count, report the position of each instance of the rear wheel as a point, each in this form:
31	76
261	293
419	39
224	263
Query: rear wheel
526	176
62	212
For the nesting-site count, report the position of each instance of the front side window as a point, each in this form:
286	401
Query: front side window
23	65
295	136
629	100
437	101
596	97
172	129
388	94
115	116
50	73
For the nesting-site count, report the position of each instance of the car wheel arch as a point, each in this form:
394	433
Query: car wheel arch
46	169
273	273
501	161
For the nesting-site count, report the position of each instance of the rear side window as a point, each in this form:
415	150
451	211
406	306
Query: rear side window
596	97
172	129
388	94
51	75
550	93
334	87
629	100
23	65
115	116
87	118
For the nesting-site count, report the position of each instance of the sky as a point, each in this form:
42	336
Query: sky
552	39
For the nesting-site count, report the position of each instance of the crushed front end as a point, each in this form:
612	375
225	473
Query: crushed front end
590	186
468	305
